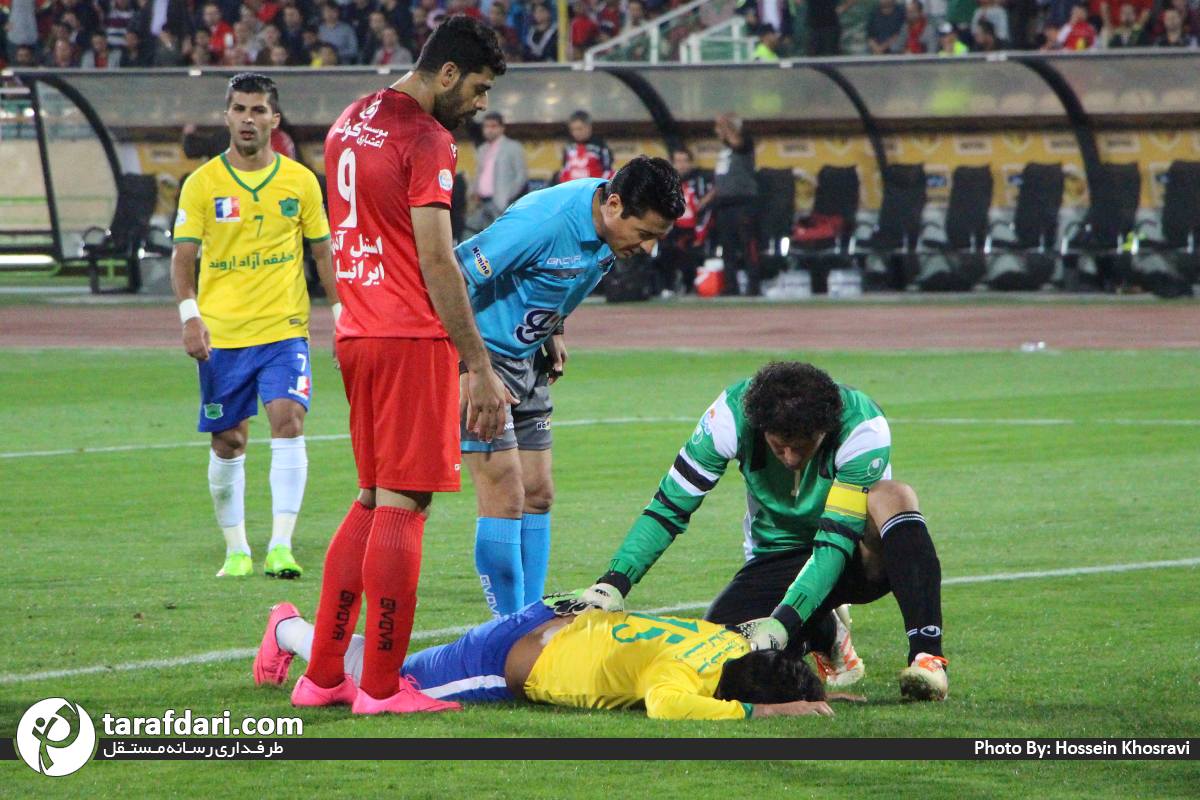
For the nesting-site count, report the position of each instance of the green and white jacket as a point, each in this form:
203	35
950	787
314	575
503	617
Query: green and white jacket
823	507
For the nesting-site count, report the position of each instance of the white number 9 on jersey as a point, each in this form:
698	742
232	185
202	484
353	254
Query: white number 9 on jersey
345	183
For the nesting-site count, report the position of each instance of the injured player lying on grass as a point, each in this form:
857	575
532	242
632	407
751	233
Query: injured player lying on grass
674	668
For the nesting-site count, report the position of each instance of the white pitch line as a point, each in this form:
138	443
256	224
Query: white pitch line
234	655
630	421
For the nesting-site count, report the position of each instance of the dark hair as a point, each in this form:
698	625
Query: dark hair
648	184
986	26
792	399
253	83
468	43
580	116
769	676
496	115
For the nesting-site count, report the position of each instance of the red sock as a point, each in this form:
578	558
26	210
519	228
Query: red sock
391	568
341	596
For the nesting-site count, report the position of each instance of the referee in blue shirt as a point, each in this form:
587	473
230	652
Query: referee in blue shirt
525	273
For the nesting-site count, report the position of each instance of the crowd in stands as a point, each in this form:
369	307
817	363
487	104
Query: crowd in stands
99	34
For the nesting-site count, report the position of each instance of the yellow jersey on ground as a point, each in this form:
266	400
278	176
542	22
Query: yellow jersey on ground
251	228
623	660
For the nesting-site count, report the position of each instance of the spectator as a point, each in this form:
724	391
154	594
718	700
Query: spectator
86	16
100	56
824	26
24	56
400	16
1058	14
279	56
1158	27
919	34
767	48
885	26
116	20
220	32
995	14
63	55
1174	34
948	43
584	30
1105	15
1078	34
334	32
608	19
325	55
59	32
201	54
1129	32
292	32
168	51
501	177
22	28
137	54
391	52
587	156
679	253
635	15
260	46
985	37
958	13
510	42
246	14
541	42
734	205
265	11
467	8
357	15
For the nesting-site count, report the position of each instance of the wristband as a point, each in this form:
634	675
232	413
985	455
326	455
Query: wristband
618	580
188	310
336	308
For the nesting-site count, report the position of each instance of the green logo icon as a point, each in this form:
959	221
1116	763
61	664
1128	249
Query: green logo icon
213	410
289	207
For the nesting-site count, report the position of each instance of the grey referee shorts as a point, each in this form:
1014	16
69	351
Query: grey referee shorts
526	424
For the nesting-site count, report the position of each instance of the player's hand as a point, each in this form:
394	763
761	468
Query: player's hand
556	353
796	708
604	596
765	633
566	604
196	339
486	401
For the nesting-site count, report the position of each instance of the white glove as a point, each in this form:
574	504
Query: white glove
604	596
765	633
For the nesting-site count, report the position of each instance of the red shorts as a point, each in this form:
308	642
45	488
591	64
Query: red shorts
403	397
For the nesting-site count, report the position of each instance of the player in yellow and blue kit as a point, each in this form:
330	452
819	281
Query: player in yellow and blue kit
675	668
525	273
247	214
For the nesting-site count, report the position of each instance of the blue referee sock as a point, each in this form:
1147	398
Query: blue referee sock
535	554
498	560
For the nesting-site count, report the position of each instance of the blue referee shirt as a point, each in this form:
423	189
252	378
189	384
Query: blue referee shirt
533	266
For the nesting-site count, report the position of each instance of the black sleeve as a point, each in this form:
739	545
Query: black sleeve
747	145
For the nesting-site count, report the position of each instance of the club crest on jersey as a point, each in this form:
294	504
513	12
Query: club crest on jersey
228	209
481	263
705	426
454	150
289	206
302	387
537	325
446	180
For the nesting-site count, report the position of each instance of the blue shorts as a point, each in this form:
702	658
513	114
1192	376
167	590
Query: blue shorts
472	669
232	380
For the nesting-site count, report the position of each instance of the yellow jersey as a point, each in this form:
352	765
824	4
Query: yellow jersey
250	227
623	660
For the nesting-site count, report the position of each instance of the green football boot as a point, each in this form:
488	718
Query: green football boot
237	565
281	564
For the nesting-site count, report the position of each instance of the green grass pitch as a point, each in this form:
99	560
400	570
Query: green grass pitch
110	557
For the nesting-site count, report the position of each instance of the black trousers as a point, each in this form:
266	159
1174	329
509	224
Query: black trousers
759	586
736	229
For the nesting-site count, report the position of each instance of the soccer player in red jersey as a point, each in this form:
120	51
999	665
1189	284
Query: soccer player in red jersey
406	322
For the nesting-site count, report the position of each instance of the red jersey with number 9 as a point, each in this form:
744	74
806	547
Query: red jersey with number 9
385	155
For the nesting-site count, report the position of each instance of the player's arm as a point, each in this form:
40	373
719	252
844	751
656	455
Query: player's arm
673	693
183	282
842	524
556	355
188	234
698	466
486	395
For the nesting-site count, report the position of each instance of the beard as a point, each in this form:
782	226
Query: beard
251	148
448	107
